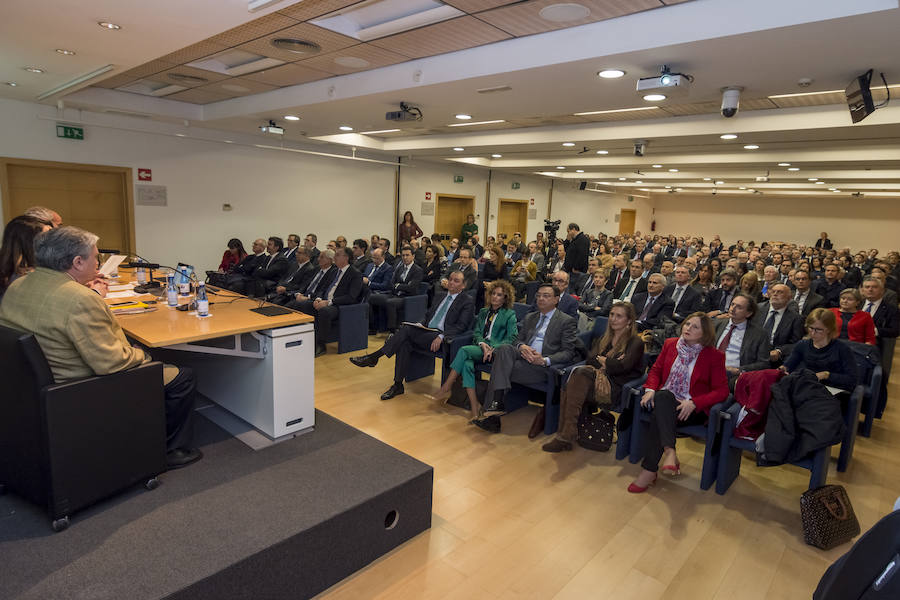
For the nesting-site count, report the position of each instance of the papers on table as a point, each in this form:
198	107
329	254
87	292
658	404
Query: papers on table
112	264
122	294
121	287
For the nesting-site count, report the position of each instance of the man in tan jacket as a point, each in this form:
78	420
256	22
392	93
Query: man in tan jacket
79	335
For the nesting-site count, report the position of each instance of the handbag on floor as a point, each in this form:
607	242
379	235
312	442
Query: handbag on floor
828	518
595	430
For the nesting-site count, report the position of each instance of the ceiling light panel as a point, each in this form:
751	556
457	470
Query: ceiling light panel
236	62
448	36
380	18
470	124
147	87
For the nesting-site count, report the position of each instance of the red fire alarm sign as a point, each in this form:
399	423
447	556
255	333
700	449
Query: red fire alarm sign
145	175
428	195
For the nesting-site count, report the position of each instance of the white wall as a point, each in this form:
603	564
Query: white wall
850	222
594	211
530	188
422	178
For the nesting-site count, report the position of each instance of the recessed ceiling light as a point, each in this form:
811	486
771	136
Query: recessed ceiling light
720	182
679	189
108	25
345	128
602	151
820	183
835	190
568	144
579	170
751	147
33	69
560	167
813	179
187	78
639	182
496	155
831	189
673	170
65	52
707	179
668	187
654	97
379	131
351	62
742	188
657	166
292	117
644	189
784	164
11	83
229	141
564	12
611	73
463	117
728	136
295	46
458	149
179	135
793	168
622	178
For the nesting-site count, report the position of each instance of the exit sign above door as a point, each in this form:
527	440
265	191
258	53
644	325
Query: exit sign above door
69	132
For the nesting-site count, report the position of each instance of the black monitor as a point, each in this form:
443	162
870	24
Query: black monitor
859	97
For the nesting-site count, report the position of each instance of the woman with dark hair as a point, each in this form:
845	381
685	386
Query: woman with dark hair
408	229
616	355
495	325
716	265
821	352
816	268
233	256
495	268
684	383
17	251
703	282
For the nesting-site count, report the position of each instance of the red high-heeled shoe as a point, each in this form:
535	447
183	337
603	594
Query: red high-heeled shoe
671	470
634	488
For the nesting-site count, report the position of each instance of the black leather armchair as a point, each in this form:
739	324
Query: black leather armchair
66	446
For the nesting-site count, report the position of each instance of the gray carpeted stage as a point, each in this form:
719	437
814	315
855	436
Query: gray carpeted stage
286	521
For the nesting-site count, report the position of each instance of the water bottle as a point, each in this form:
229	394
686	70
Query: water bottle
184	282
141	274
202	300
171	292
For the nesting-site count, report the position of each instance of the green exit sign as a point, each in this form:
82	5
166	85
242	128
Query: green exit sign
457	179
69	132
515	185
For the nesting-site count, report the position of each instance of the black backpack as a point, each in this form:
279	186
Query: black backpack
870	570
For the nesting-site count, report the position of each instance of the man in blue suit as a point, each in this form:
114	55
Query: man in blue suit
379	274
567	303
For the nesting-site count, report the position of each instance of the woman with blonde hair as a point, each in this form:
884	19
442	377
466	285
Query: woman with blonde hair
751	285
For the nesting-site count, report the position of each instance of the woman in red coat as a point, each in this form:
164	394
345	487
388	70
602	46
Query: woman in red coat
854	324
234	255
686	380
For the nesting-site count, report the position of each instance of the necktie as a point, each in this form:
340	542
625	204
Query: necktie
723	345
537	329
627	291
726	302
869	307
587	286
678	292
646	311
618	278
439	315
404	273
314	283
770	324
330	294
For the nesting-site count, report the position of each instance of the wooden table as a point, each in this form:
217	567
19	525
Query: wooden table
259	368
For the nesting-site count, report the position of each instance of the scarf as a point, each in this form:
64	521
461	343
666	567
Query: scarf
679	380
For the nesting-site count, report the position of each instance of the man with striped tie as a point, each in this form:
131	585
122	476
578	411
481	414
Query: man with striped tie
451	314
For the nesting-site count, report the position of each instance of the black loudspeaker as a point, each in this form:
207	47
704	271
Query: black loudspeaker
582	185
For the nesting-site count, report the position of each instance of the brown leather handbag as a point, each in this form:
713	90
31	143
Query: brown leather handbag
828	518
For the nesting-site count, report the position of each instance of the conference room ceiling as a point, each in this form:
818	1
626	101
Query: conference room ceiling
499	60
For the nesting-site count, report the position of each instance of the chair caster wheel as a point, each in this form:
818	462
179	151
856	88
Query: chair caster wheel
152	484
60	524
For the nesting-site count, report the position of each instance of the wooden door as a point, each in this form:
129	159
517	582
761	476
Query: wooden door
93	197
450	215
512	217
626	220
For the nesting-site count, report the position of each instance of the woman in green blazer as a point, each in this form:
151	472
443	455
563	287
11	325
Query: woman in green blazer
495	325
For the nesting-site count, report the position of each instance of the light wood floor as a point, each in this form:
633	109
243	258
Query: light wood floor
511	521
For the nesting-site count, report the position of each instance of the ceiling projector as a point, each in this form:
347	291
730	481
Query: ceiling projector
666	79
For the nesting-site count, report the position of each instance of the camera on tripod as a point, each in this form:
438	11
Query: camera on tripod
551	227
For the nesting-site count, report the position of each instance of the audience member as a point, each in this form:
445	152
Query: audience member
293	242
830	287
269	271
685	299
243	272
408	229
781	323
296	278
652	307
635	283
466	265
822	353
319	284
310	242
565	302
361	257
745	345
44	215
17	251
852	323
577	248
469	229
385	245
232	256
596	301
751	286
405	282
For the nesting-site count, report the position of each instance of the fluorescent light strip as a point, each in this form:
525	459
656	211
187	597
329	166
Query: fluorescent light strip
378	131
475	123
78	80
617	110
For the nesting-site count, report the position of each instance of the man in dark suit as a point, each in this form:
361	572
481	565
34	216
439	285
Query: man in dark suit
745	345
886	316
361	258
345	288
379	274
451	314
577	247
293	242
619	272
685	299
635	283
270	270
320	282
385	245
512	255
236	281
781	323
565	302
407	277
477	249
453	252
547	336
831	287
295	279
466	265
310	242
652	306
805	298
581	283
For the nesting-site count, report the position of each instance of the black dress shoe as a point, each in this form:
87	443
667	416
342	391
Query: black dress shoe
496	406
182	457
320	350
537	426
394	390
366	360
557	445
489	424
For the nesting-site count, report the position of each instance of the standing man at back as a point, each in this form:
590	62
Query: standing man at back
578	246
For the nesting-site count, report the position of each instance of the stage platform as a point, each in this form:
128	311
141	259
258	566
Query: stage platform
287	521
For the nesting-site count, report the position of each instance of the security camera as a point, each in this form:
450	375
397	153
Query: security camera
640	146
731	101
